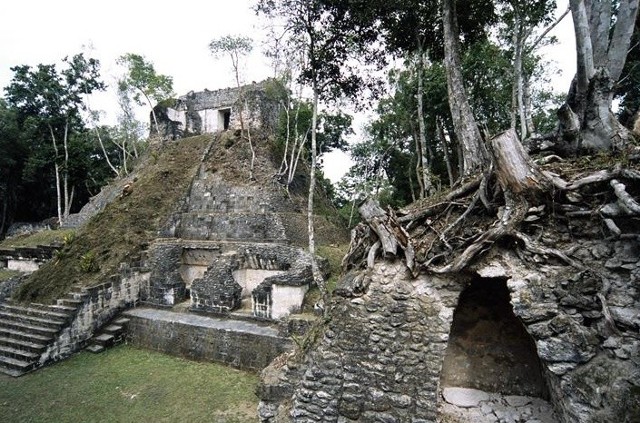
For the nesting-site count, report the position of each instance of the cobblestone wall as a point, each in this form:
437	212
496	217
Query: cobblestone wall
378	357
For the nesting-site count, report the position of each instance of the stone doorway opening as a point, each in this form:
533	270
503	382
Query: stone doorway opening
224	119
489	348
491	371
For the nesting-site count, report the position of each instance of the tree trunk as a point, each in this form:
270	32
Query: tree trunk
601	53
153	112
513	167
475	155
518	71
528	106
445	150
424	162
317	275
418	168
106	156
65	173
57	171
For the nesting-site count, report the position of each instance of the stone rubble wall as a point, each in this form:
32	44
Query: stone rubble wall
11	285
166	286
593	369
378	358
379	355
217	291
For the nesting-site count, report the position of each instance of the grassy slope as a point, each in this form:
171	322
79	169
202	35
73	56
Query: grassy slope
47	237
125	384
125	227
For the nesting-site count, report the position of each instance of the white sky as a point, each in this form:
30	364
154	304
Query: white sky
172	35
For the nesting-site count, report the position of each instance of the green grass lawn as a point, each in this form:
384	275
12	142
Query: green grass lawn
126	384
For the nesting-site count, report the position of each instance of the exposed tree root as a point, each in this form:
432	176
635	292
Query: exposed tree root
448	234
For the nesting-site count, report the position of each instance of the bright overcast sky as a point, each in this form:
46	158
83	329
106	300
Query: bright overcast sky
172	35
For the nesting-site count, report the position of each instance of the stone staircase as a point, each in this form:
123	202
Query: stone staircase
27	330
110	335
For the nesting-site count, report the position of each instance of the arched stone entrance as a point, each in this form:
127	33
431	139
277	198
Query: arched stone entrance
489	348
491	371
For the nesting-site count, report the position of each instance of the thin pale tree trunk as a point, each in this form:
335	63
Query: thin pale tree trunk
153	112
65	173
474	153
317	276
445	150
104	152
57	171
424	162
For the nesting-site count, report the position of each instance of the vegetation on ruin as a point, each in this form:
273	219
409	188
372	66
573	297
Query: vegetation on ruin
126	384
124	228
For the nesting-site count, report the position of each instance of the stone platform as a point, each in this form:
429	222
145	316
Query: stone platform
238	343
462	405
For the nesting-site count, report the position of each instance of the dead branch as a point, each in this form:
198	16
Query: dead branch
390	233
461	191
625	200
607	314
532	246
556	180
371	257
604	176
611	225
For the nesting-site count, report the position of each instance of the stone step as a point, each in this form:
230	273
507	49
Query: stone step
25	336
112	329
104	339
26	327
18	353
68	310
11	372
122	321
71	303
23	344
55	323
36	310
16	364
95	348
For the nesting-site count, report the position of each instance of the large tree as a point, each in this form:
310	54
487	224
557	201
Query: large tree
52	100
603	31
141	81
13	155
320	33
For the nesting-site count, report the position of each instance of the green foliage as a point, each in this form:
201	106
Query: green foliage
333	128
488	76
88	262
142	80
127	384
235	46
320	32
628	87
44	103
